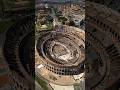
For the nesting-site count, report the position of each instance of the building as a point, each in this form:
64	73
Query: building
103	40
61	54
19	54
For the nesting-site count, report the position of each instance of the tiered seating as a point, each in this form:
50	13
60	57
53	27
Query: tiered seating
102	36
17	44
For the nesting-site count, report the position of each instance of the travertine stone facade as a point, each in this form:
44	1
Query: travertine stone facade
103	36
62	50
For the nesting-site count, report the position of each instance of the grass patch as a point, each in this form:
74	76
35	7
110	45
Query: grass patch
42	83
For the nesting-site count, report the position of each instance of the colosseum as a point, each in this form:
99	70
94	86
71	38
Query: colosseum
103	41
17	45
62	50
65	50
